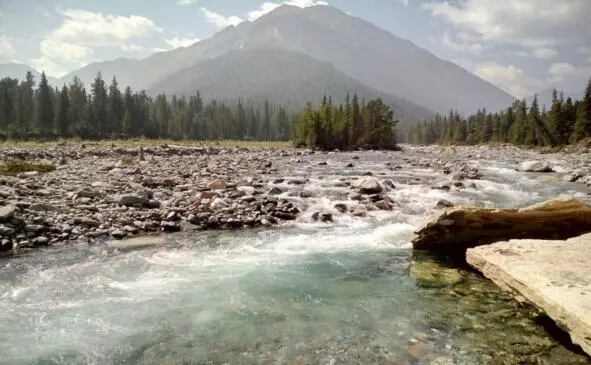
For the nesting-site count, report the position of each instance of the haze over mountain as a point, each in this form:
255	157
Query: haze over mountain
19	70
364	58
282	76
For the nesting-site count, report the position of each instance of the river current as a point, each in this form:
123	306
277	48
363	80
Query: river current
346	292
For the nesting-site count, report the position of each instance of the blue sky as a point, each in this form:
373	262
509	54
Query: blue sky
523	46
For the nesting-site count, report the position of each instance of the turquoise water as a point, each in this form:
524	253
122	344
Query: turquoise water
351	292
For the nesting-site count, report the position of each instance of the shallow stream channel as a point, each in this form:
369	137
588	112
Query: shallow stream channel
350	291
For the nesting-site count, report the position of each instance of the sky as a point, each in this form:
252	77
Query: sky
522	46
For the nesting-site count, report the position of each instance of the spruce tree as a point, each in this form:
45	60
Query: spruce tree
45	109
63	119
582	128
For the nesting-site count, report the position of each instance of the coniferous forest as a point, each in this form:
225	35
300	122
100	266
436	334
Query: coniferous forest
355	124
567	121
37	111
30	111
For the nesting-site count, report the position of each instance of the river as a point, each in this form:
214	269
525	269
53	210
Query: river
346	292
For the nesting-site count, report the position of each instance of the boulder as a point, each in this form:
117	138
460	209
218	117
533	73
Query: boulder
133	200
217	185
453	230
136	243
536	166
551	275
369	185
7	212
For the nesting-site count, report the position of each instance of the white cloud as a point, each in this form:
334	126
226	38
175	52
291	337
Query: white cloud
563	71
219	20
461	44
6	47
86	28
584	50
181	42
58	50
186	2
529	23
268	7
404	2
545	53
508	77
50	67
82	32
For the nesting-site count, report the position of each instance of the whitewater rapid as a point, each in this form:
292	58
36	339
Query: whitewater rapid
306	290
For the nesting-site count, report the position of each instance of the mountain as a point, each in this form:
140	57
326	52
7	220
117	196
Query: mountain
282	76
545	97
356	48
19	70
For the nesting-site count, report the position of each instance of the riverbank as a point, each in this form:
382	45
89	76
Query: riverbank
97	192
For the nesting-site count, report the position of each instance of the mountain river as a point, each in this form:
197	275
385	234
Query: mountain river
346	292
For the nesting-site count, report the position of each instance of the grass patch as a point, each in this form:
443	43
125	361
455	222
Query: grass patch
127	160
15	167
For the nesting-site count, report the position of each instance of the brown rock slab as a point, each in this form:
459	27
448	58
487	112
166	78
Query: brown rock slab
455	229
554	276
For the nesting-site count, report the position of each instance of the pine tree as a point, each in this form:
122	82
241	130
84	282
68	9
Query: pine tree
115	109
99	123
582	128
63	119
45	109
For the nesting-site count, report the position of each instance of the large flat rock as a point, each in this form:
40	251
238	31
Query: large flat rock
453	230
554	276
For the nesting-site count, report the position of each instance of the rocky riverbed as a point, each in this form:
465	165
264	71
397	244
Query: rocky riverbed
99	192
333	279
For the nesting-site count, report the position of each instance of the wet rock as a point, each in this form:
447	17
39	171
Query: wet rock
323	163
6	231
434	275
342	208
369	186
136	243
117	233
297	182
40	241
349	165
286	216
444	204
384	205
322	216
275	190
536	166
7	212
389	184
170	226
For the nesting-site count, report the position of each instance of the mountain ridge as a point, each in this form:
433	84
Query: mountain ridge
357	48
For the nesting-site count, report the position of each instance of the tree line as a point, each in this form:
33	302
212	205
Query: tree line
105	111
567	121
354	124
